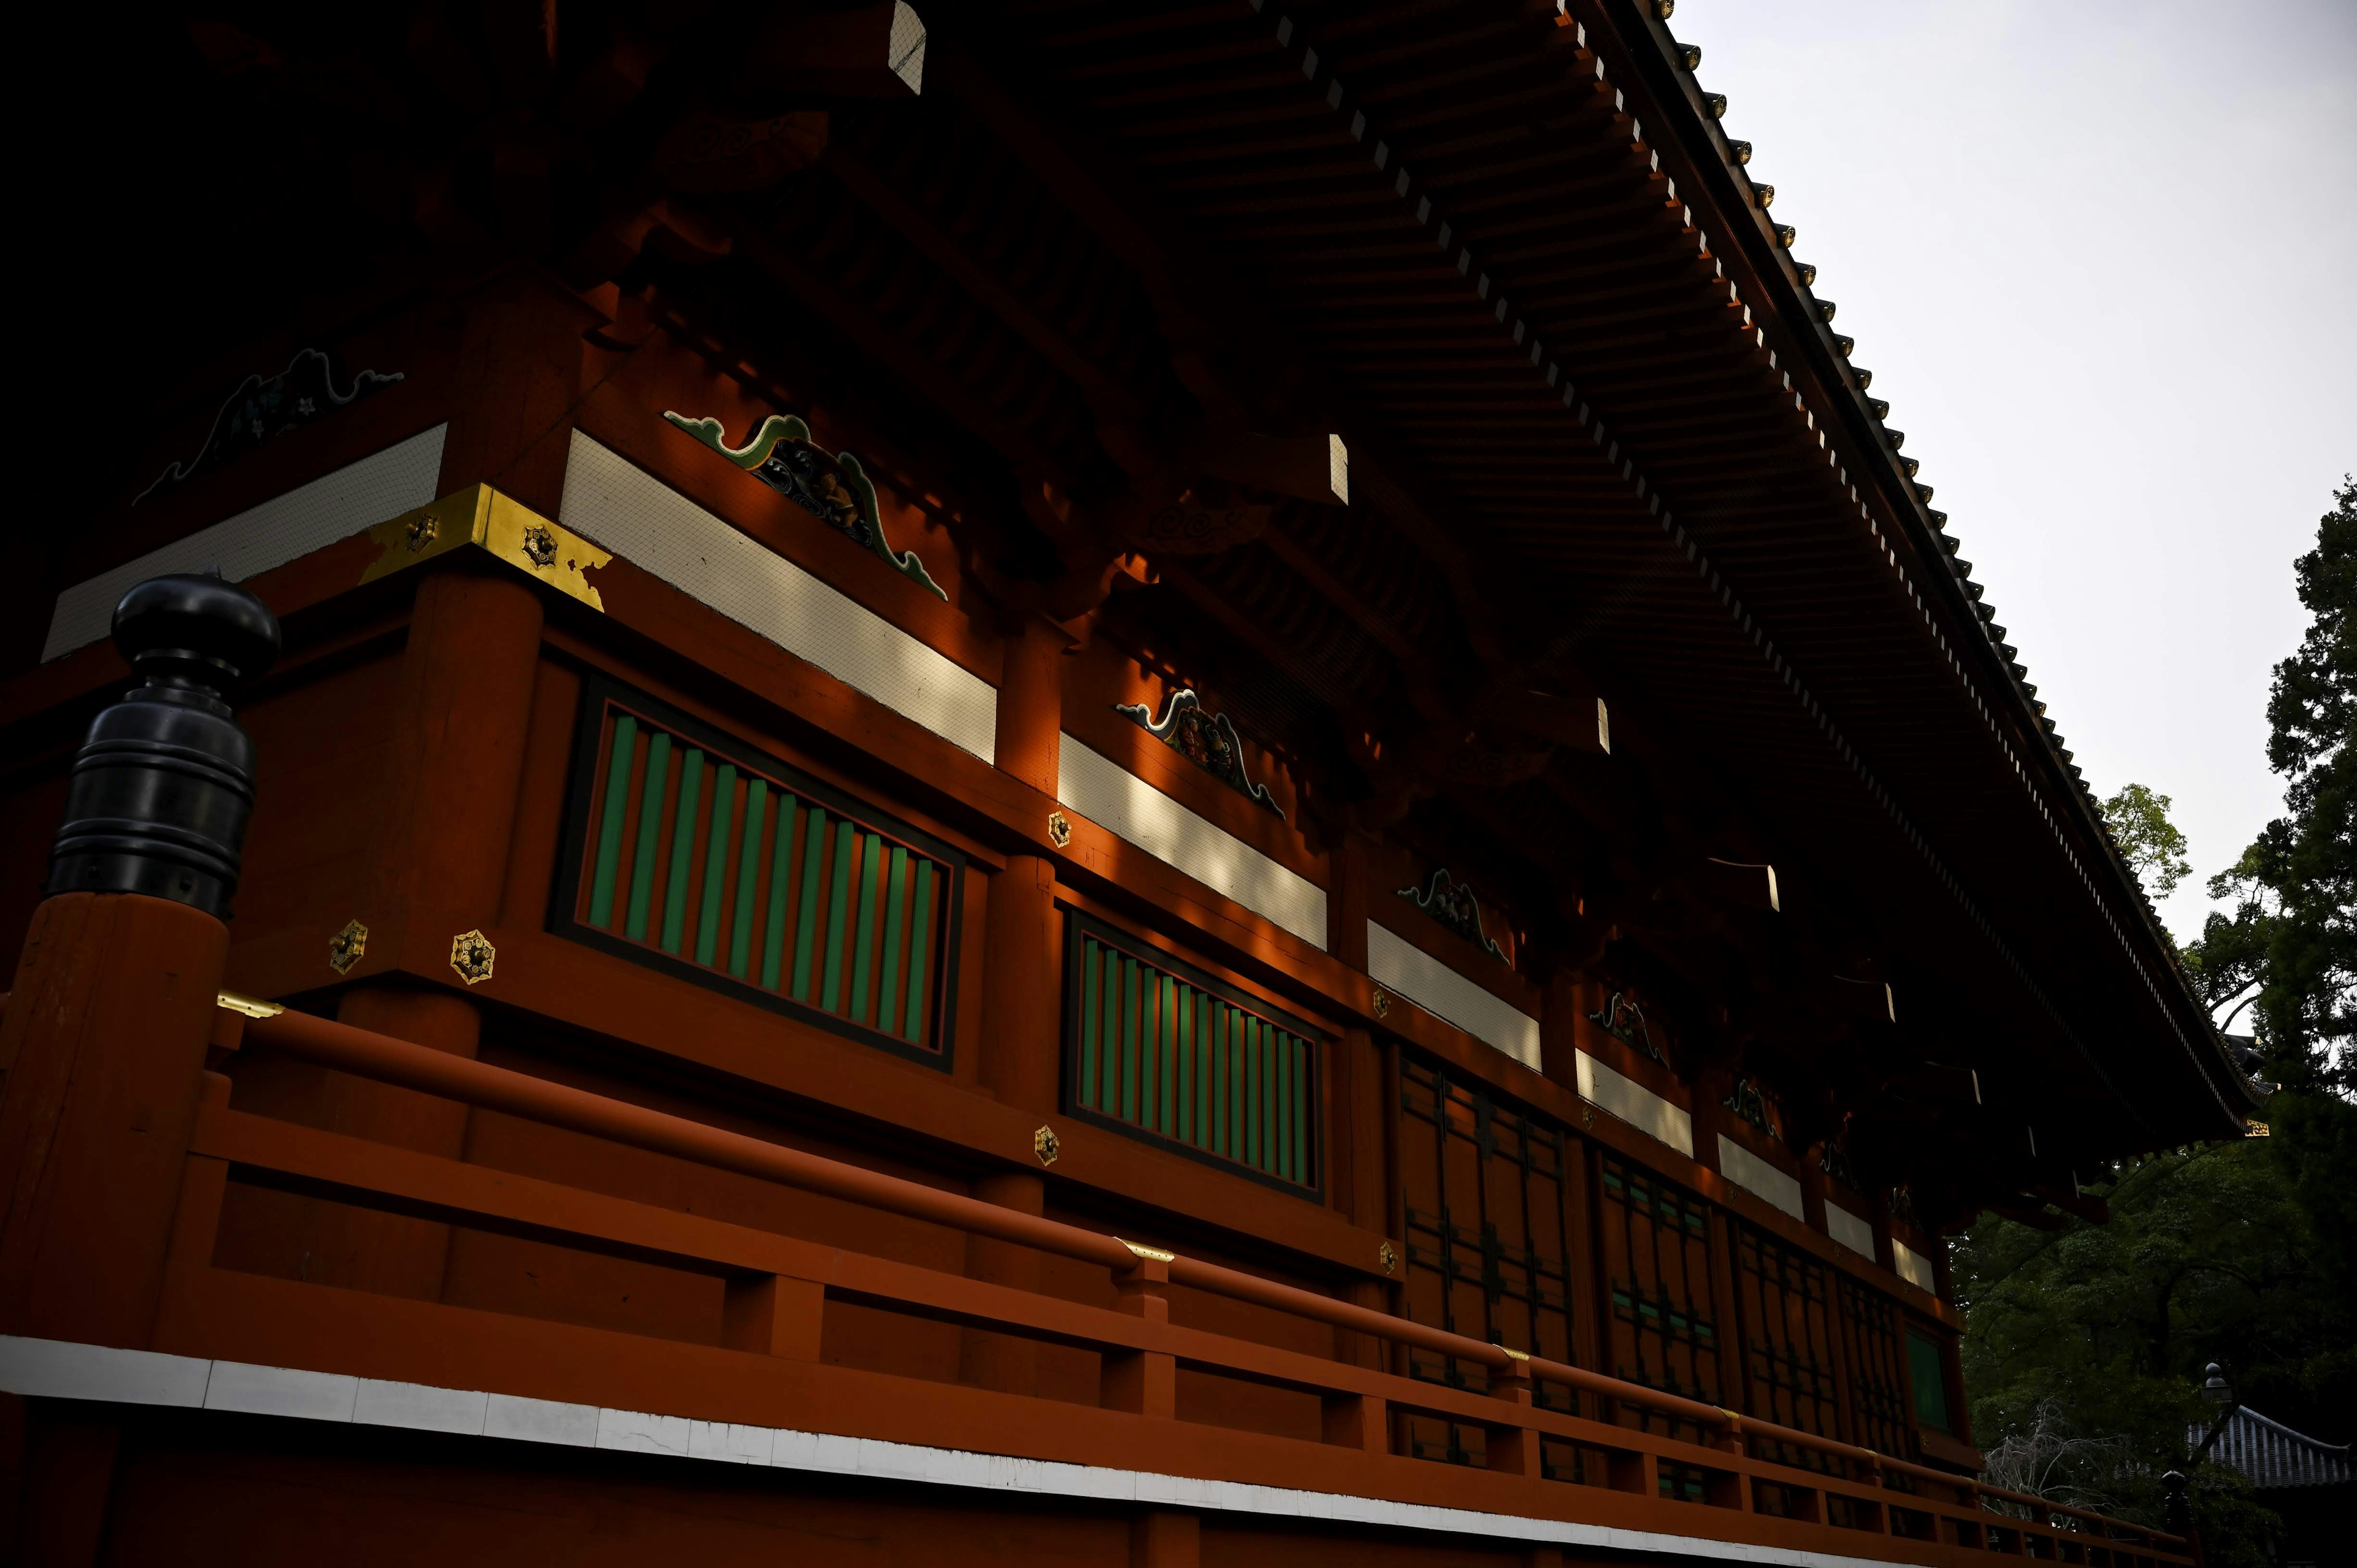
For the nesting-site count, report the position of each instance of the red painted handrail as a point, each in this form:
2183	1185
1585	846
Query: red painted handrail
389	1060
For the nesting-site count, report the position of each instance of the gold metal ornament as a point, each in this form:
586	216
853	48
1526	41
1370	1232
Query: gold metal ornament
480	517
251	1006
1047	1145
346	947
1383	1004
1517	1355
1060	829
1389	1258
471	954
1156	1254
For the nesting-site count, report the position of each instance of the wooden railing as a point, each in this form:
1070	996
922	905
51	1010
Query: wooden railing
779	1286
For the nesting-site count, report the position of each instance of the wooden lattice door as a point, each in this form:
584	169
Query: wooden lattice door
1877	1383
1784	1300
1489	1191
1655	1238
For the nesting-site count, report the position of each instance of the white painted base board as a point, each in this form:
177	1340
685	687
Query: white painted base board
52	1369
310	517
616	504
1399	965
1634	1103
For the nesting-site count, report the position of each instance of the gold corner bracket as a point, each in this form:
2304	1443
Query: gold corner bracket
482	518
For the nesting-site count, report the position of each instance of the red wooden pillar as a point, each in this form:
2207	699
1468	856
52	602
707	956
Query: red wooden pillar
1020	1047
1164	1538
442	832
105	1034
1022	968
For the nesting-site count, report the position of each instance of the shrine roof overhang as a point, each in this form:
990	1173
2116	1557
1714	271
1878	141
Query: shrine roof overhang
1530	272
1600	428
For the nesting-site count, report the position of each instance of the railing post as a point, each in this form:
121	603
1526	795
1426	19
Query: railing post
1145	1382
774	1315
116	992
1512	1448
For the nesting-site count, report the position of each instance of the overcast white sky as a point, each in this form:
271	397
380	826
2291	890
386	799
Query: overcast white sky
2102	259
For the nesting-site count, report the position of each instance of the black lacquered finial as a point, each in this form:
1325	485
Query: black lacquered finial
163	785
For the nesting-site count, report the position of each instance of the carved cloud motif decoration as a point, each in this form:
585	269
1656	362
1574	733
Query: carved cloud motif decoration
1205	738
261	408
1452	904
834	489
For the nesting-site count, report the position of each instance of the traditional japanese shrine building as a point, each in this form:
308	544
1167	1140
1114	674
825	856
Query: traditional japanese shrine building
1079	782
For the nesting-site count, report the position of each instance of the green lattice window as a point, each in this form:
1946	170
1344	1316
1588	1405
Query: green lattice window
1156	1049
699	855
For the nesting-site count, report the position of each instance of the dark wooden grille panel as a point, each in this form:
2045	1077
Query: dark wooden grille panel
698	853
1654	1239
1877	1383
1784	1300
1158	1049
1489	1211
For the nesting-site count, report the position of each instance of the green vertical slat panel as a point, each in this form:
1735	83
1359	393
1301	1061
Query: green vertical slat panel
896	943
1109	1097
1280	1121
920	950
1183	1125
1251	1091
806	920
643	864
1149	1038
862	940
1128	1038
716	864
1165	1118
838	910
609	830
1305	1148
683	841
1226	1081
1203	1006
781	884
1092	999
749	878
1223	1021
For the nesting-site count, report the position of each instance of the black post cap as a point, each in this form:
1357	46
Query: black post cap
163	787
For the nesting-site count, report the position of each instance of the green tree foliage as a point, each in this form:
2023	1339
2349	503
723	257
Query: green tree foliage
2086	1344
2099	1333
2148	841
2292	938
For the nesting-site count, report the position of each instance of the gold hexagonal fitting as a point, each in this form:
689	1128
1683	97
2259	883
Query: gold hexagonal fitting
1060	829
1382	1003
1047	1145
347	946
472	955
1389	1258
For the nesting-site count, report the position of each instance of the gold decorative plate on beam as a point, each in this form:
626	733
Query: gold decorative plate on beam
480	517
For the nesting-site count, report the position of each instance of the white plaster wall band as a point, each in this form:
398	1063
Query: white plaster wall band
1635	1104
1848	1230
1399	965
310	517
1749	1171
614	503
1913	1266
1129	808
53	1368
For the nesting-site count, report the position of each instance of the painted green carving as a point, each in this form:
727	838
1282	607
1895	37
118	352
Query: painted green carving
836	490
